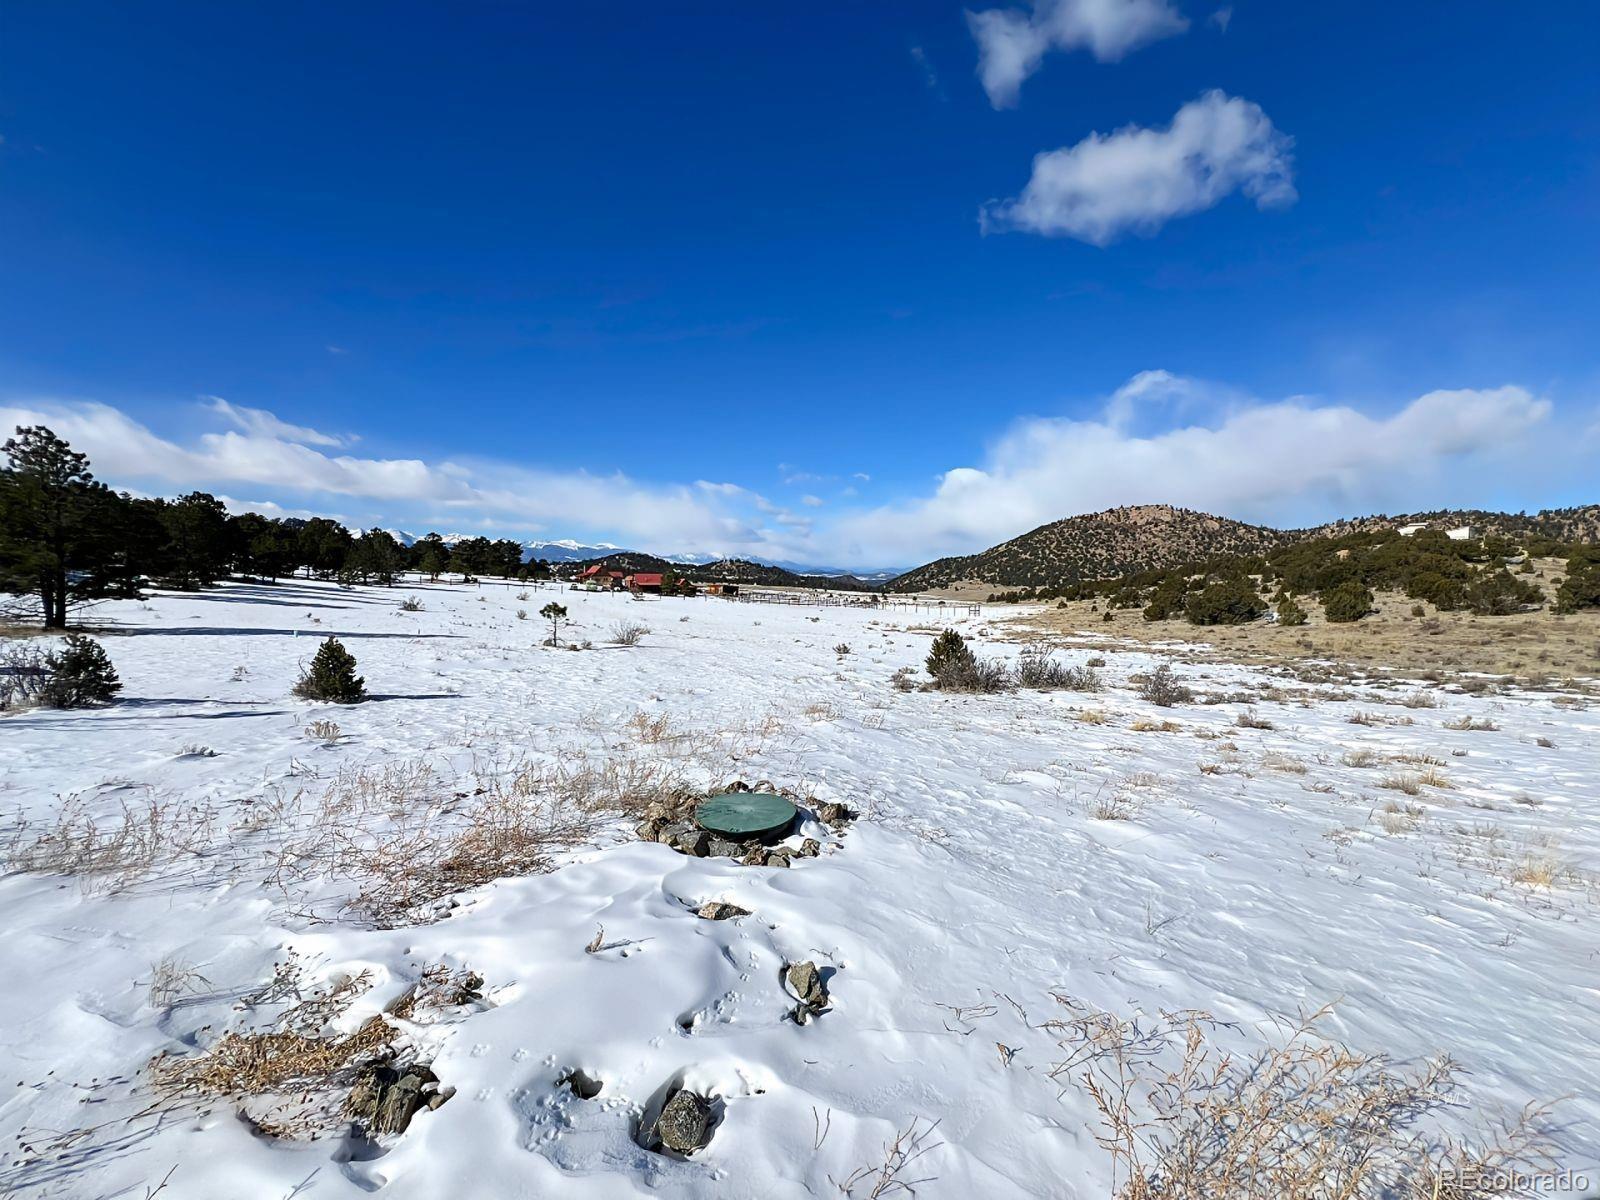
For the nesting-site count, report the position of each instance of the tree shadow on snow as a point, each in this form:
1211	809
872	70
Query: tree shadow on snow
246	631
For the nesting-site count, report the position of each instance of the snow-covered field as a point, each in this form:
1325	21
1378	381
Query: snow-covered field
1020	858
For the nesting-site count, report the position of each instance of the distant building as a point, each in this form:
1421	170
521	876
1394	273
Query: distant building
1409	530
1463	533
644	581
602	577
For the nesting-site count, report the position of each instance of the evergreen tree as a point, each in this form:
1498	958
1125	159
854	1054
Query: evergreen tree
949	653
375	557
555	614
80	675
433	558
507	556
332	677
322	546
472	556
59	528
1348	601
1289	611
198	548
1226	602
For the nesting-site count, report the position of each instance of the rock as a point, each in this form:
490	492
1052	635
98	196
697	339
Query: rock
673	830
738	785
721	847
756	856
693	841
806	982
835	814
649	829
777	859
684	1125
801	1013
765	785
810	848
581	1084
384	1098
720	910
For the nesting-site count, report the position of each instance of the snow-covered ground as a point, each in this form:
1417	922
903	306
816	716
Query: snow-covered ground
1251	872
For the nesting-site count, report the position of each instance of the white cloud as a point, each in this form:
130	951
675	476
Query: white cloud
1160	437
669	517
1138	179
1284	463
1012	42
260	422
811	501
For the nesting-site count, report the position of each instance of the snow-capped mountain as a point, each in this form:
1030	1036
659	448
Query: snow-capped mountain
569	550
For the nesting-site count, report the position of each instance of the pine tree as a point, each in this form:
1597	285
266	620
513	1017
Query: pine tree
950	652
1348	601
197	550
332	677
80	675
1289	611
555	614
60	530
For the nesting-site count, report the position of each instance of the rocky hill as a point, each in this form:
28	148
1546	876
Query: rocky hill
1122	541
1097	545
1579	524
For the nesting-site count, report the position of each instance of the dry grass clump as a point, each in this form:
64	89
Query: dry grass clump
1286	763
1479	725
395	843
112	852
325	731
1250	719
1420	699
288	1076
1091	716
1538	870
1400	818
1411	785
1145	725
1300	1119
1362	758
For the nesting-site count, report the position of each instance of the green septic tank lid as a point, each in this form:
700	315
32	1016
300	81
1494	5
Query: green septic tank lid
745	814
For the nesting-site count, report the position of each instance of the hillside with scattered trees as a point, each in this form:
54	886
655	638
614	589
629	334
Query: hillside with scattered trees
1096	546
1129	540
1486	576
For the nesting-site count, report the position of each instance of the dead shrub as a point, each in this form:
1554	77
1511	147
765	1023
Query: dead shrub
112	852
628	633
1161	688
1038	667
1300	1119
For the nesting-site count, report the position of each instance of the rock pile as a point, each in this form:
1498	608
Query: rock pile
386	1097
671	822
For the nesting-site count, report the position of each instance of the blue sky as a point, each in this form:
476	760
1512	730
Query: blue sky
855	284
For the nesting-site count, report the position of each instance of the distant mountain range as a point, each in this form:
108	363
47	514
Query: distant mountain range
730	570
565	550
1121	541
